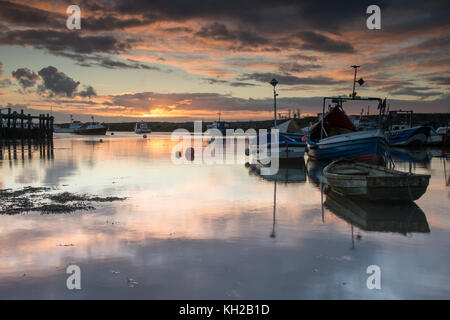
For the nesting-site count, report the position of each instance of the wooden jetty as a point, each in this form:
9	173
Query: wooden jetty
16	125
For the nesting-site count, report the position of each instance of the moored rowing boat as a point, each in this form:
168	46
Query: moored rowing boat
372	182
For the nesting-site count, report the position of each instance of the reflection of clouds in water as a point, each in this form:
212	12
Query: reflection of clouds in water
204	232
223	269
59	171
27	176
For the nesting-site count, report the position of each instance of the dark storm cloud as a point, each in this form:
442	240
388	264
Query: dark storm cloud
241	84
92	60
116	64
5	83
297	68
221	32
268	15
440	80
321	43
419	92
26	77
23	15
88	92
57	83
288	79
61	41
230	83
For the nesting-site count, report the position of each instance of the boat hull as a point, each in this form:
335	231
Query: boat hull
393	186
416	136
140	131
63	130
370	148
284	153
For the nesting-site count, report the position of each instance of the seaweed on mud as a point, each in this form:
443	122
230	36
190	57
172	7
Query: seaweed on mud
63	208
7	193
18	201
71	197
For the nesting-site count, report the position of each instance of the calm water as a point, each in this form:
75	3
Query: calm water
216	231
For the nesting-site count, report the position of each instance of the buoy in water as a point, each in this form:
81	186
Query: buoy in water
112	133
144	136
189	154
101	140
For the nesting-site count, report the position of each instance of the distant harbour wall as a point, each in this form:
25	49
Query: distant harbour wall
435	119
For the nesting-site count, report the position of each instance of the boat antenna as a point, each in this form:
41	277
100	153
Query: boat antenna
274	82
360	81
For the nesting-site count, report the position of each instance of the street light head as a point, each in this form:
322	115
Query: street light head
274	82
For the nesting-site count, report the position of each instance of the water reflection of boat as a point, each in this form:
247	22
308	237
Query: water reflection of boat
287	173
370	182
142	127
314	170
401	218
420	156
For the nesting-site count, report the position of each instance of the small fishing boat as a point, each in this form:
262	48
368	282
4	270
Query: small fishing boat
263	148
335	136
406	136
434	139
74	125
291	129
356	179
222	126
92	128
445	133
142	127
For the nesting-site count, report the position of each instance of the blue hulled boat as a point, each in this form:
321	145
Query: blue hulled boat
262	147
335	137
403	135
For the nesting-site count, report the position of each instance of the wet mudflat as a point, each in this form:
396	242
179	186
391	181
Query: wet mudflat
140	226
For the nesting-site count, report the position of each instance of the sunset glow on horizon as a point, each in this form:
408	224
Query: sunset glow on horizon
185	61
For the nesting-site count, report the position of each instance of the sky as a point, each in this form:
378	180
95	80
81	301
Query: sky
178	60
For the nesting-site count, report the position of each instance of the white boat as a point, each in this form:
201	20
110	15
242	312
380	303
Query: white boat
142	127
74	125
285	149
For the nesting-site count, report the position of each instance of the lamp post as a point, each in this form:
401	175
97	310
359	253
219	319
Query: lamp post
360	81
274	82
